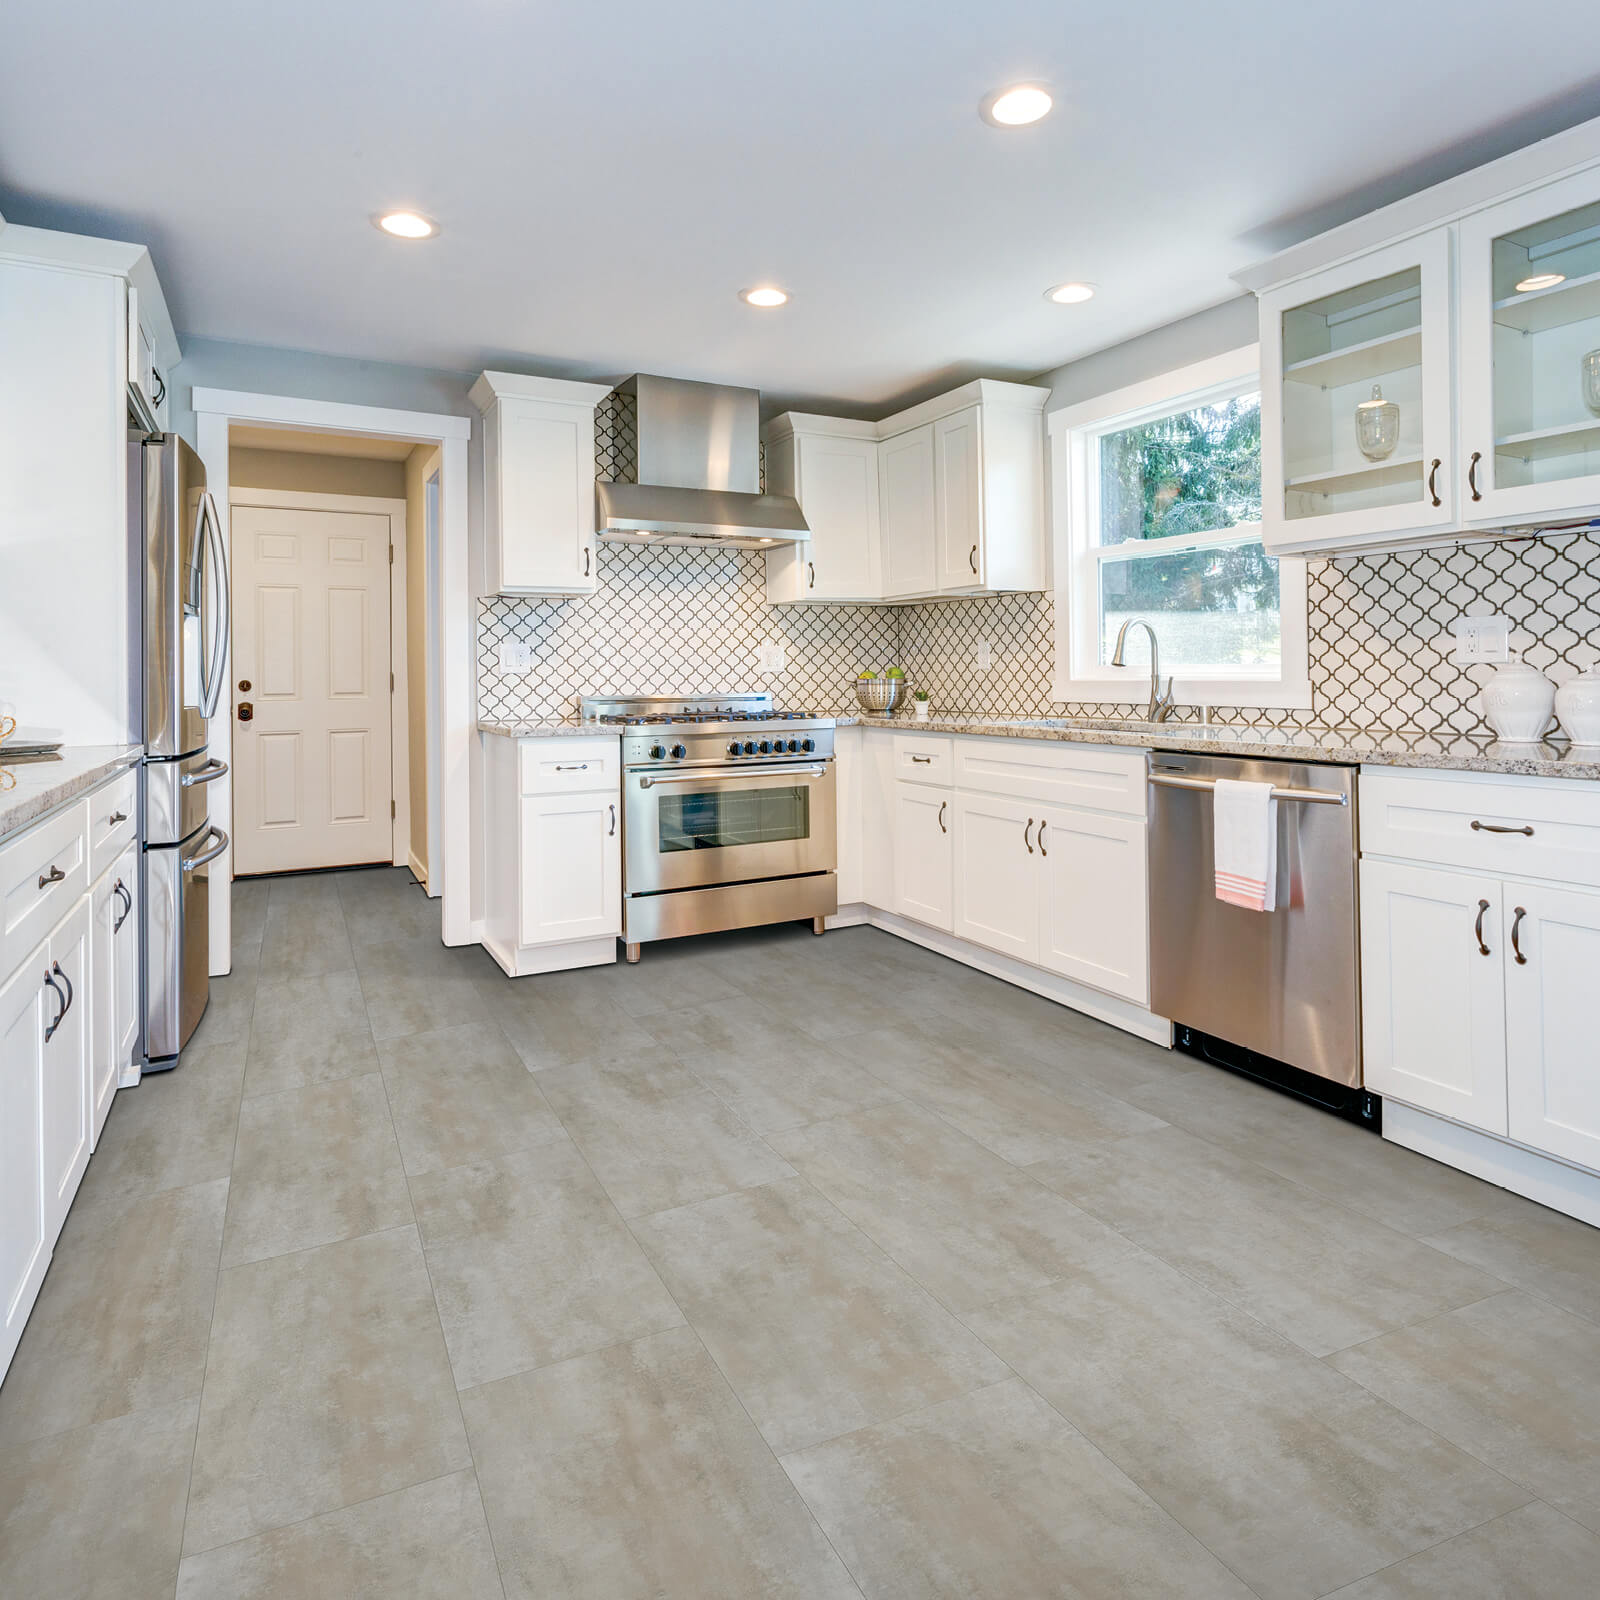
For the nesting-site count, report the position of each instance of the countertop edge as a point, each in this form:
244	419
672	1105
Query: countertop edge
79	770
548	730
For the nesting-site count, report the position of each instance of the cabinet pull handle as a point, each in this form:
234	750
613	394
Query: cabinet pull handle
54	875
1027	836
613	833
1043	822
161	388
811	569
1433	485
120	888
922	760
1499	827
115	818
572	766
1472	474
1477	928
1516	944
50	1027
943	805
972	558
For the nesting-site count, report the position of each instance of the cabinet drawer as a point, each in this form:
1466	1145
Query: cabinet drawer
923	757
29	908
113	812
1460	821
569	766
1098	777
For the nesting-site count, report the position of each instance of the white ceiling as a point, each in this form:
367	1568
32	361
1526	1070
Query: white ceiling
609	175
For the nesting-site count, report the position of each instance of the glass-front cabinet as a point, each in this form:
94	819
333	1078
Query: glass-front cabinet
1530	354
1357	447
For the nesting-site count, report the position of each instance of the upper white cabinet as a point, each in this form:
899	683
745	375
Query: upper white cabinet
538	461
830	465
1372	434
960	499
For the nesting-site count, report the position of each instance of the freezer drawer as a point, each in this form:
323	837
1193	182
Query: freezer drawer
175	796
177	941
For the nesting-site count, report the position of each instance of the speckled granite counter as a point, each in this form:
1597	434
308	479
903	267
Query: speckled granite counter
1458	753
28	789
545	730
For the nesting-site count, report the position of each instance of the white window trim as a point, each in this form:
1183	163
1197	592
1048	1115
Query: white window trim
1072	429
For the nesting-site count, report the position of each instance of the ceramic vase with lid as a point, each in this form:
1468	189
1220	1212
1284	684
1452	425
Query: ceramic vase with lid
1517	701
1578	707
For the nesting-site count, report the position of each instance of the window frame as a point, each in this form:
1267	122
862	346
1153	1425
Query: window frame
1074	431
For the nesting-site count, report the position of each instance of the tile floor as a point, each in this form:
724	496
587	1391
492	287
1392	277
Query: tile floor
774	1267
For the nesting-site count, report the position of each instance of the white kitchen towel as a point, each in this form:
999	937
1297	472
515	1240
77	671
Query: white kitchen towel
1244	825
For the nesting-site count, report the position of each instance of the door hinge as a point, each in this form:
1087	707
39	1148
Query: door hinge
391	555
391	683
392	812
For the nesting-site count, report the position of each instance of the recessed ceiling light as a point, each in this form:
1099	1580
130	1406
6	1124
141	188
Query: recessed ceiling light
1017	106
1070	294
765	297
1541	280
406	225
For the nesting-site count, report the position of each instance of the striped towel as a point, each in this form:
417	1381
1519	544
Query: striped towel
1244	824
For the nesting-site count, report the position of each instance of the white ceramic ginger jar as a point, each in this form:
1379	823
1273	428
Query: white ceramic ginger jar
1517	702
1578	706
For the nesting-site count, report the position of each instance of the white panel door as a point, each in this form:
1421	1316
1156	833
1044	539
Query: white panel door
67	1076
958	476
838	492
905	477
1552	1046
1093	916
1432	986
571	868
997	874
24	1250
312	782
923	820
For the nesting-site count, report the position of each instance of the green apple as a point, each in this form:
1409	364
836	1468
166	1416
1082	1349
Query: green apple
894	672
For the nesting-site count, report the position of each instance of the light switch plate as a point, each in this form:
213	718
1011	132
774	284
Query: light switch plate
1481	639
985	655
516	655
771	657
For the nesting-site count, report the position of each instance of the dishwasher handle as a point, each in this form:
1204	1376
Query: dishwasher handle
1310	797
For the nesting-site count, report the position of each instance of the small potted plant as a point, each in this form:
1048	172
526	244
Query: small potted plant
919	698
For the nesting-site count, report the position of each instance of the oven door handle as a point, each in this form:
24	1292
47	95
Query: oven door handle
648	780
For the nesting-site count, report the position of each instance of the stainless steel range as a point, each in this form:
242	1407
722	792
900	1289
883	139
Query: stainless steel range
728	814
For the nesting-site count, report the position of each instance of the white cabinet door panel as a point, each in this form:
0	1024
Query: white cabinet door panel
838	493
1093	916
958	477
997	874
1552	1046
905	475
571	868
1433	997
24	1248
546	472
923	820
67	1076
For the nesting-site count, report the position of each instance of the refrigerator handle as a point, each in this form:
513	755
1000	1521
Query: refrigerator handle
216	667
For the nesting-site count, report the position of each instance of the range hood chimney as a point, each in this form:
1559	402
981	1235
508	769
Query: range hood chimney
698	478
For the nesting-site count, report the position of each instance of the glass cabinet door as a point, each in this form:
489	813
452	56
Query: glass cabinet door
1357	444
1530	354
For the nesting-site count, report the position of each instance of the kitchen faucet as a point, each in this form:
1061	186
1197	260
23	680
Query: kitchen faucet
1160	707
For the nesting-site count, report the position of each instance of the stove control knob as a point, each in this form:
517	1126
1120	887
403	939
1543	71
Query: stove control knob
808	744
749	747
765	746
658	752
679	752
794	744
735	748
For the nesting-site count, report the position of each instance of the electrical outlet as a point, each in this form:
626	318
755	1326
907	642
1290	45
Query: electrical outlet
516	656
1481	639
985	655
771	657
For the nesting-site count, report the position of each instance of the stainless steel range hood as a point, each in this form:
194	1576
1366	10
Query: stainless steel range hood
698	477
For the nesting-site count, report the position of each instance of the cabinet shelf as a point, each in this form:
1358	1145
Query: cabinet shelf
1356	363
1540	444
1576	300
1372	475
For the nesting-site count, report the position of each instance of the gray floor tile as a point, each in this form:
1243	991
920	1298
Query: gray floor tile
328	1384
248	918
1322	1275
1296	1478
633	1474
228	1009
97	1513
314	1166
415	986
279	1065
305	1030
1540	1250
172	1129
1512	1379
304	934
772	1076
559	1018
654	1136
430	1542
385	904
993	1497
816	1329
531	1264
460	1095
966	1224
673	974
1531	1552
122	1320
1010	1103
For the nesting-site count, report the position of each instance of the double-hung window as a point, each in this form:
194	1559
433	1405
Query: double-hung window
1158	519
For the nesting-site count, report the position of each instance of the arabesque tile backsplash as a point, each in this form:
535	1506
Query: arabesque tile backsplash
690	621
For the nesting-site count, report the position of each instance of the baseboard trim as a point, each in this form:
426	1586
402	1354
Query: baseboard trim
1510	1166
526	960
419	872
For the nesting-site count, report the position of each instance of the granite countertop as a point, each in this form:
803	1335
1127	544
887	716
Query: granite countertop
1465	752
28	789
546	730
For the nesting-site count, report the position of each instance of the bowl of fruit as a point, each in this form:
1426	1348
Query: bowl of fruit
881	694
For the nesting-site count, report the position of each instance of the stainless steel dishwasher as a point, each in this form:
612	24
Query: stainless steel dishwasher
1275	994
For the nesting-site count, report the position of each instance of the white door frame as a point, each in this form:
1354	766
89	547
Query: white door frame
214	410
432	502
399	723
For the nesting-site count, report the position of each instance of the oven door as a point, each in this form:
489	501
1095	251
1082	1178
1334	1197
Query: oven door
687	829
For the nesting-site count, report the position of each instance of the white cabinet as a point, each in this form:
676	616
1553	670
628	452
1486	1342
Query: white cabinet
571	868
905	471
114	981
1093	900
831	467
24	1247
996	876
958	500
65	1088
922	853
539	501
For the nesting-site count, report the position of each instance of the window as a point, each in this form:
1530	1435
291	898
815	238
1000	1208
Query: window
1158	518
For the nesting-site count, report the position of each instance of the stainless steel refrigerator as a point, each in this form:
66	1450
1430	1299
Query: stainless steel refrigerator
181	644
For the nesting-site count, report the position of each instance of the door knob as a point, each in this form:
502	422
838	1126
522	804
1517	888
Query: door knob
246	711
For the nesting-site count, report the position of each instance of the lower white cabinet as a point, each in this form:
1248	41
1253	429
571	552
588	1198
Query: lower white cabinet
114	980
24	1245
1094	923
922	853
571	868
996	878
64	1112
